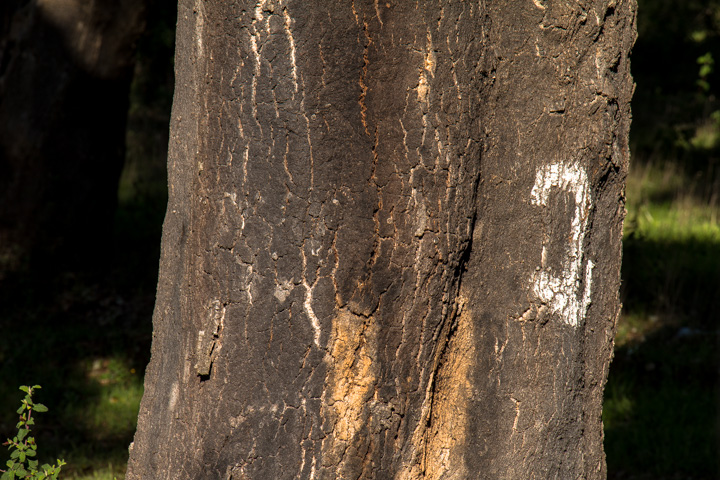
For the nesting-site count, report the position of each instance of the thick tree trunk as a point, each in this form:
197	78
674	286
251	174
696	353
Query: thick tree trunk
392	246
65	71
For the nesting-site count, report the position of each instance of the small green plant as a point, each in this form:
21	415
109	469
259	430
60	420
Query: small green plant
707	64
23	447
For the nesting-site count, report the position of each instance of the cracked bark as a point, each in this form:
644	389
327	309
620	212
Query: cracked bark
357	221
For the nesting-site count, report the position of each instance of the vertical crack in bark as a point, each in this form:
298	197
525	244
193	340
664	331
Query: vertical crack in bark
436	449
208	341
363	73
307	304
291	41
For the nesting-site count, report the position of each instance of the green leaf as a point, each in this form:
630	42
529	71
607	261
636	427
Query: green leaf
36	387
706	59
21	456
8	476
21	472
33	464
21	409
705	85
25	389
21	434
10	463
39	407
31	421
31	452
16	454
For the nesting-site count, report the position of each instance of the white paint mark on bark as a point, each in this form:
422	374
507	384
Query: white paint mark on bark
561	293
539	4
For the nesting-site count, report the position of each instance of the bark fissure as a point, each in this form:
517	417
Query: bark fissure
376	248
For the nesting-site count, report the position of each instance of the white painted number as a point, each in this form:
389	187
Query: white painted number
562	293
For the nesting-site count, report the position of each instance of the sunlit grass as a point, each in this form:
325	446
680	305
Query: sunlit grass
672	246
114	412
663	203
110	472
109	418
660	406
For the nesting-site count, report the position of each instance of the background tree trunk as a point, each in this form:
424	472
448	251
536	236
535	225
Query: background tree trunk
392	245
65	71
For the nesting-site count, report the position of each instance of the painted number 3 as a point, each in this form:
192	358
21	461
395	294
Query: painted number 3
561	293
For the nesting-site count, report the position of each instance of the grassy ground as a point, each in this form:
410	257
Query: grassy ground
85	336
661	400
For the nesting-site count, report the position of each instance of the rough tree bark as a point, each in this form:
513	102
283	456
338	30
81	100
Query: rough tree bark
392	246
65	71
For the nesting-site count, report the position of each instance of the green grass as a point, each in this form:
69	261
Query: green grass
661	400
85	337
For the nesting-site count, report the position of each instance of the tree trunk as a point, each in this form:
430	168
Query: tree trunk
65	71
392	245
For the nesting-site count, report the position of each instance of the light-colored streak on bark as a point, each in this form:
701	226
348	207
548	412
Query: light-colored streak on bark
314	321
291	40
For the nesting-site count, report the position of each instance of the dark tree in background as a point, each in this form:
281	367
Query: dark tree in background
392	244
77	275
65	72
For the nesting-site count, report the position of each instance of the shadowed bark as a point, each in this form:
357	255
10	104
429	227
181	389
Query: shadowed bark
392	245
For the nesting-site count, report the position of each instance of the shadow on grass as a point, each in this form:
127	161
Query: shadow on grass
85	337
661	408
678	279
661	401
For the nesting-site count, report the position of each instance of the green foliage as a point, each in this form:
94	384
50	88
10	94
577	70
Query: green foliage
707	64
22	463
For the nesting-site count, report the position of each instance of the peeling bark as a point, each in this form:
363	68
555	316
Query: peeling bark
399	223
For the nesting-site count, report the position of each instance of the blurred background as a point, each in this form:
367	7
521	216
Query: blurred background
85	98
